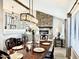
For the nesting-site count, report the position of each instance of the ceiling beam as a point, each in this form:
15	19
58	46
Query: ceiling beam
22	4
73	6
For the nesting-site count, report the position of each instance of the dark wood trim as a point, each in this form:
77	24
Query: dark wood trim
22	4
73	6
30	15
45	27
69	15
65	33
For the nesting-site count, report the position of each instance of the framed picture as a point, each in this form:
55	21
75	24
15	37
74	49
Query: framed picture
23	16
12	26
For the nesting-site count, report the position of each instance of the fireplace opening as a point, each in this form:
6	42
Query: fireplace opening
44	34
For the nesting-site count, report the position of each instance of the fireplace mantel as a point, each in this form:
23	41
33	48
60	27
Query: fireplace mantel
45	27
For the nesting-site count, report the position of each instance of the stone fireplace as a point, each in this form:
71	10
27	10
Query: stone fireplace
45	23
45	32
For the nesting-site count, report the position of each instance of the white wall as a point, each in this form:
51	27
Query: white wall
1	23
1	15
58	26
6	5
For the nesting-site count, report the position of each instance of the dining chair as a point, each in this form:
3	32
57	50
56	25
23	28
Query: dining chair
2	54
19	41
10	43
50	54
24	38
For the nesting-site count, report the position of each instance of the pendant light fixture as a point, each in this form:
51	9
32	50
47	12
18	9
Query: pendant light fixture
23	16
26	16
29	16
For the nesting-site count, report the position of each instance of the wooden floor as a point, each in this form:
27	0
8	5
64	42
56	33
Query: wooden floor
59	53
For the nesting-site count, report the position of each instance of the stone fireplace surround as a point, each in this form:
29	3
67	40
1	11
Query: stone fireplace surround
45	32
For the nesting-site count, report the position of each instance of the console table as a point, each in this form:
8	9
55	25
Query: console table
58	42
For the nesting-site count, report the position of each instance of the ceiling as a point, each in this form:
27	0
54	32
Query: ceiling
58	8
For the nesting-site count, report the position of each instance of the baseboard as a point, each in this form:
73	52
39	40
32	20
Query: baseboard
74	54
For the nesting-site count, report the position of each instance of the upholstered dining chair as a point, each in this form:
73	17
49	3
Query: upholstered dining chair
11	42
19	41
24	38
50	55
2	54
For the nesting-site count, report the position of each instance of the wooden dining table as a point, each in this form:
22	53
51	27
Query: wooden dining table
35	55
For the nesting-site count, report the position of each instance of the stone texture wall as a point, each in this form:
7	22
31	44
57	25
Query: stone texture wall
44	19
46	22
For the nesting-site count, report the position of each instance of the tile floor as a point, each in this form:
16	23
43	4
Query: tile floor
60	53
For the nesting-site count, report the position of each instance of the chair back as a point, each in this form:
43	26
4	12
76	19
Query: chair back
52	53
24	39
58	36
19	41
2	54
10	43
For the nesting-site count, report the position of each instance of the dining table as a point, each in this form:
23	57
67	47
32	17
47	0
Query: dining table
31	54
